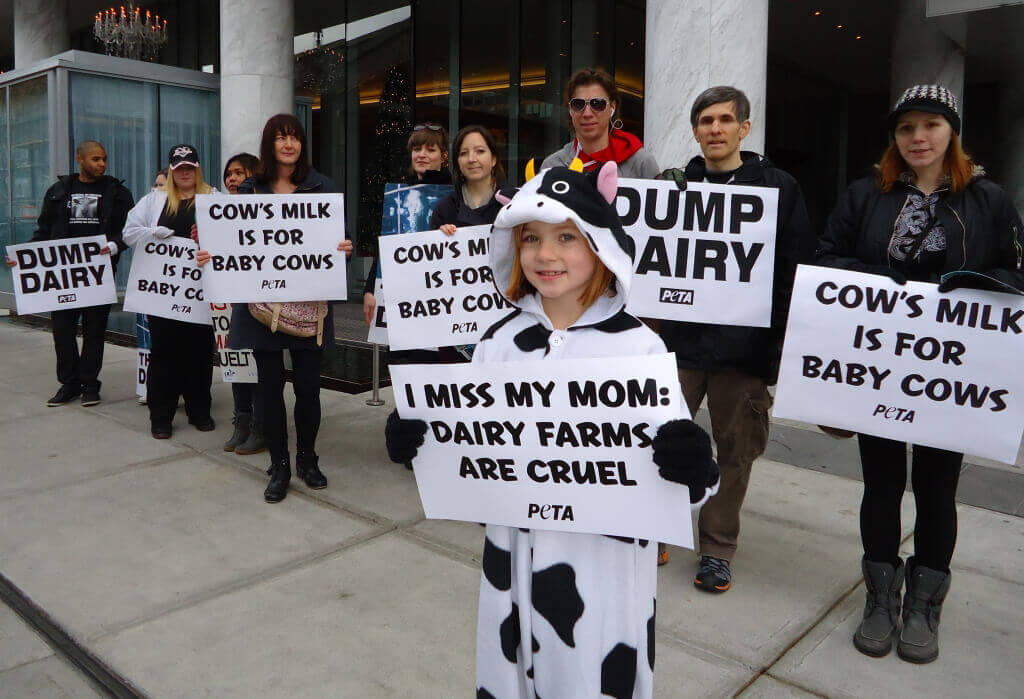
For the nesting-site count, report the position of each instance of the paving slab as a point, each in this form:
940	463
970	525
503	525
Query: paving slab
799	552
52	678
45	451
19	643
467	538
981	636
767	687
988	543
688	671
103	553
385	618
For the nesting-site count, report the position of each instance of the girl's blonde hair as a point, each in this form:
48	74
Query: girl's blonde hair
519	286
174	199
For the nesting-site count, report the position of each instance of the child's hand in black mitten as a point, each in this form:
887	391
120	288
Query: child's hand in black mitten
403	437
682	451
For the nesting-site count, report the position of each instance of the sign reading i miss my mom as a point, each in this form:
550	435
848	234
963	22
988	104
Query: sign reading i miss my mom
440	289
60	274
272	247
548	444
905	362
703	255
166	282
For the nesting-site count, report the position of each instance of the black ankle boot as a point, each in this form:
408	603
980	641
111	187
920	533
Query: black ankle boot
280	474
879	627
307	467
241	432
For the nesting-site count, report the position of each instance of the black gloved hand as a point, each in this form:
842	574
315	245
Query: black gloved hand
403	437
886	271
674	174
682	451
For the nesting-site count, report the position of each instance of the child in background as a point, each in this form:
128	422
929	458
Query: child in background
564	614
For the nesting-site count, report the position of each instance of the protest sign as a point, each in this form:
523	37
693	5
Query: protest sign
144	343
378	333
407	208
236	366
440	288
59	274
905	362
165	281
272	247
549	444
704	255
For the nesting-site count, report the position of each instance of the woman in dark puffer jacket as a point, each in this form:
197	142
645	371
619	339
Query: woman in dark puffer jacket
929	211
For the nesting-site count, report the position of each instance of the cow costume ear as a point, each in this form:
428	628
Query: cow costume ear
608	181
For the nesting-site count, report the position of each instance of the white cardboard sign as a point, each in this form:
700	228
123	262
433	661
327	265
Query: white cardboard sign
273	247
142	373
704	255
548	444
905	362
441	289
236	366
378	333
59	274
166	282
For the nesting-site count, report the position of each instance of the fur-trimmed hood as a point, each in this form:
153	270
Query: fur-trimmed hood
563	194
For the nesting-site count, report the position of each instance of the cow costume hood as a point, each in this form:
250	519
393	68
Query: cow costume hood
556	195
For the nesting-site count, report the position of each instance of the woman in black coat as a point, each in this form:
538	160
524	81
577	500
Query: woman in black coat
929	211
285	169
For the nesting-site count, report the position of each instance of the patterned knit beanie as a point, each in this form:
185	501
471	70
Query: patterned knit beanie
933	99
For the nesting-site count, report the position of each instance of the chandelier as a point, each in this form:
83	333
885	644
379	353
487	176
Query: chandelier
130	35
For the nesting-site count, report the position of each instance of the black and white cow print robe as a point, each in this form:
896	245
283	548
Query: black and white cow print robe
566	615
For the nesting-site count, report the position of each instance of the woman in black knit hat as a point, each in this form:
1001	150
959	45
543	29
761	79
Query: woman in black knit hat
928	211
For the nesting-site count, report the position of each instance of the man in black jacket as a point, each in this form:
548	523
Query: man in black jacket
734	365
83	204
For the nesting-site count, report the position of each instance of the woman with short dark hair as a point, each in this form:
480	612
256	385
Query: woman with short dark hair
593	100
284	168
928	211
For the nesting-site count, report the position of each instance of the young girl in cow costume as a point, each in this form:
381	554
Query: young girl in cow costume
563	614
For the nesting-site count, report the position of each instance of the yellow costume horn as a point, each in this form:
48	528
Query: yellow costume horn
576	165
530	172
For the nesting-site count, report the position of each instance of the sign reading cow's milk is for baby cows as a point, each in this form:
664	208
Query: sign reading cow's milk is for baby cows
440	289
272	247
905	362
60	274
703	255
166	282
549	444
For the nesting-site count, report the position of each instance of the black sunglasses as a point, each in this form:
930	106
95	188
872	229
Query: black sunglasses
578	104
428	125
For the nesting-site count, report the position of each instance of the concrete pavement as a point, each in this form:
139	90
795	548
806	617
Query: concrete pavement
162	562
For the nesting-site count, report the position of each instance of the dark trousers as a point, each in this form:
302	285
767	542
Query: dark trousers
247	399
180	363
305	383
934	476
73	367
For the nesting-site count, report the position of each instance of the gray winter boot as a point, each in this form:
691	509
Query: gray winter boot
878	630
253	443
926	591
241	432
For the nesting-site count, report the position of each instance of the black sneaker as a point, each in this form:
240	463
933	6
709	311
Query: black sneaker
90	396
713	574
205	424
65	394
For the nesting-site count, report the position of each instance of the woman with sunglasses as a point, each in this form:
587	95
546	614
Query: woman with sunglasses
593	101
428	164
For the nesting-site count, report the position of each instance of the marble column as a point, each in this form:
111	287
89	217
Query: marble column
690	47
256	70
927	50
40	30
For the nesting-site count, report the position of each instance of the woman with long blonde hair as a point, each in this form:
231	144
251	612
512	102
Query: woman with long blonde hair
181	356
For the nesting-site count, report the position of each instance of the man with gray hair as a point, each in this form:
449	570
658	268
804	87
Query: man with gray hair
732	365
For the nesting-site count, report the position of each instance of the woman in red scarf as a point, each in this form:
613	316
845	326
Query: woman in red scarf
593	101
